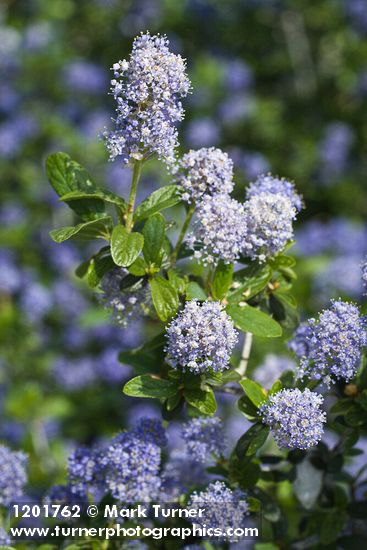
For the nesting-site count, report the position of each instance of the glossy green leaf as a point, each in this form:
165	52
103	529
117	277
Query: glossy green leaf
165	197
154	233
66	176
247	407
176	281
165	298
248	282
95	194
277	386
254	391
94	229
203	401
150	386
97	268
252	440
282	260
250	319
138	268
195	292
222	280
125	246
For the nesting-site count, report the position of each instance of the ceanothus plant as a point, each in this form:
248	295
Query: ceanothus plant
240	288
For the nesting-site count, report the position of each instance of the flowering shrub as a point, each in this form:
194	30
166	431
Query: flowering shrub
230	273
191	298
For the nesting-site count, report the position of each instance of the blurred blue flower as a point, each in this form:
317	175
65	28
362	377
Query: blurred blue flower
334	150
85	76
74	374
238	75
10	275
36	300
14	132
202	132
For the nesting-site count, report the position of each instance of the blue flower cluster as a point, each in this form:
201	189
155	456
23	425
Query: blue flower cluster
269	219
147	89
128	467
295	418
201	338
204	437
260	228
335	343
127	304
131	466
219	230
13	476
205	172
224	508
266	183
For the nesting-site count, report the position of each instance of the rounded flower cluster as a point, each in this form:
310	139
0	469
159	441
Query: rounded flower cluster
147	89
128	467
13	475
268	184
224	508
295	418
335	345
364	274
205	172
204	437
269	225
219	230
201	338
132	468
127	304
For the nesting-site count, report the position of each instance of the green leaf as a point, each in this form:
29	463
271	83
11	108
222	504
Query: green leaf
150	386
138	268
282	260
125	246
95	194
252	440
250	319
165	197
282	311
222	280
195	292
173	402
202	400
249	282
176	281
97	268
165	298
277	386
247	407
94	229
254	391
230	375
65	176
154	232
